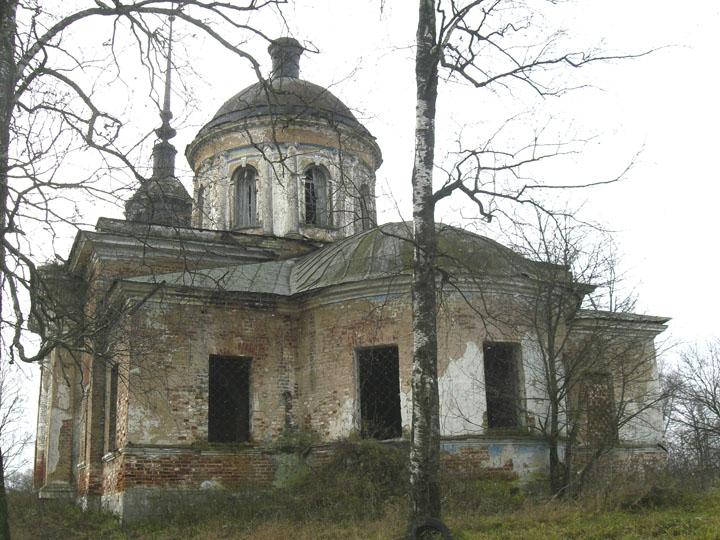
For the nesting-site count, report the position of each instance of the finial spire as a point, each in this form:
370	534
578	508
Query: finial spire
164	152
166	132
162	199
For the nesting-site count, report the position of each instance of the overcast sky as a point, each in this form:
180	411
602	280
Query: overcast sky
664	105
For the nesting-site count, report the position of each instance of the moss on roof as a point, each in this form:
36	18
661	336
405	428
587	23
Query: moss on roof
384	252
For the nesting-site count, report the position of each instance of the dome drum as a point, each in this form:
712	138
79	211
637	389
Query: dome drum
285	157
280	192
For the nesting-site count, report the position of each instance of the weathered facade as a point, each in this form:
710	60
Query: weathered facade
277	306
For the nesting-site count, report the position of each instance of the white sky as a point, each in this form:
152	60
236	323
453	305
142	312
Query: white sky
665	104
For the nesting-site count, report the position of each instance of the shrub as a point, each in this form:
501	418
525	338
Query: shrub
633	488
360	481
33	518
488	495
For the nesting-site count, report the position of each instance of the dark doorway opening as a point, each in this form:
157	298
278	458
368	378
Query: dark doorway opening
379	388
229	399
501	384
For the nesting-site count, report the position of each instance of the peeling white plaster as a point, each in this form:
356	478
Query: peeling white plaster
462	393
536	397
406	409
645	426
59	414
343	422
144	424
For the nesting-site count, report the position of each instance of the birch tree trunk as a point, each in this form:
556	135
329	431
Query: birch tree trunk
425	446
8	9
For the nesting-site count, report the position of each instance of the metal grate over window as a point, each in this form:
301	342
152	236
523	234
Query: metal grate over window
229	399
379	392
501	384
599	403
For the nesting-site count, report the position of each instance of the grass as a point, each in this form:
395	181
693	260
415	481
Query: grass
361	494
695	516
31	519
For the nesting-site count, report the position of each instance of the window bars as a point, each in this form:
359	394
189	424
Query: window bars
229	399
379	392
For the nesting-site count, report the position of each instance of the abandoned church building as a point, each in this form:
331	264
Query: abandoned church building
270	303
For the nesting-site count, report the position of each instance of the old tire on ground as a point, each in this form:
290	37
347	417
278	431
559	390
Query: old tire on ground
426	525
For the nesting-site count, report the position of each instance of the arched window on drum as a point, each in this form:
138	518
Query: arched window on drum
244	180
200	205
365	209
317	199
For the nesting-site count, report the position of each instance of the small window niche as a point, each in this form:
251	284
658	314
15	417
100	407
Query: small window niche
378	374
244	180
229	399
502	384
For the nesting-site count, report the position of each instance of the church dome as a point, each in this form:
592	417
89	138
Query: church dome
325	188
285	97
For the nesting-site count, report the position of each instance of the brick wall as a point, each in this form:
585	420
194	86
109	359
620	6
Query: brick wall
303	362
168	371
187	468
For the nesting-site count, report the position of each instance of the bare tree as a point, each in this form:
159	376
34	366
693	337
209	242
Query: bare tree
569	267
14	439
487	44
54	104
587	369
694	407
42	89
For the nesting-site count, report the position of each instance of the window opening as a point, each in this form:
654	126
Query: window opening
501	384
245	203
601	425
365	207
379	392
229	399
317	211
200	205
112	408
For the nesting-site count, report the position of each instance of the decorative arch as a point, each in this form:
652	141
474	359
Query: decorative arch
244	182
317	196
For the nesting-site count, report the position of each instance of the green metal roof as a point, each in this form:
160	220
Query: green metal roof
382	252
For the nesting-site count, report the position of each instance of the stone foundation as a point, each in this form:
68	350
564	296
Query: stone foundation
519	456
146	482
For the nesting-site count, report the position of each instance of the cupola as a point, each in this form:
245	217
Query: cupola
162	199
285	157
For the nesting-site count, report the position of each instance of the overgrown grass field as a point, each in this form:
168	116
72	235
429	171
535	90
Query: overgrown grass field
362	495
